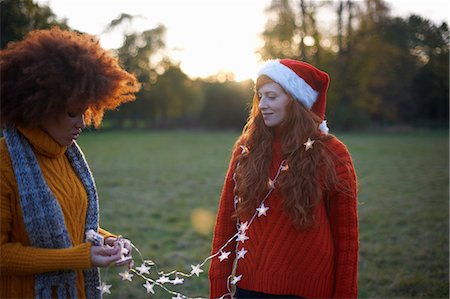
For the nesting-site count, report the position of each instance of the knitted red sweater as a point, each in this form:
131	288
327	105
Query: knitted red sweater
320	262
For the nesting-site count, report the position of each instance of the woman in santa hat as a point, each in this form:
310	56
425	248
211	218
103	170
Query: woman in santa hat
287	222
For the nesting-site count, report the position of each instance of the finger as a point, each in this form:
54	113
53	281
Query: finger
111	258
124	261
113	250
121	264
108	250
110	241
98	250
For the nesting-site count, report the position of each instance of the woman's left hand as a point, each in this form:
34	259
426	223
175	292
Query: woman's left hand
125	244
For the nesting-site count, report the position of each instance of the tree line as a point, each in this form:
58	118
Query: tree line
384	70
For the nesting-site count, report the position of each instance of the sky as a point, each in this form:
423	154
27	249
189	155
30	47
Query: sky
205	36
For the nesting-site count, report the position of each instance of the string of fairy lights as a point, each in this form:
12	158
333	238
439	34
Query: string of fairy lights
165	279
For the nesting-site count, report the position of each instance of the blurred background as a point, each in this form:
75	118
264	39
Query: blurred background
160	161
195	58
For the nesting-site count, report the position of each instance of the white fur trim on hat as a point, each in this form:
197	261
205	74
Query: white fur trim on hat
290	81
323	127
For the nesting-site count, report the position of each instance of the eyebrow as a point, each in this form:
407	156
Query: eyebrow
268	92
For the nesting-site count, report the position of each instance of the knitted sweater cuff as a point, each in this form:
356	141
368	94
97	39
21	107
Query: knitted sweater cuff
25	260
106	234
73	258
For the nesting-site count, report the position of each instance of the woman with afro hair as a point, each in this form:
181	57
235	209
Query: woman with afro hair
287	222
53	84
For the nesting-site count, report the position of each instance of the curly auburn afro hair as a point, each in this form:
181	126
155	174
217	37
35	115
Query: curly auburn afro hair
51	70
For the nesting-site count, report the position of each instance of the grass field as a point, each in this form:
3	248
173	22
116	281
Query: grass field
161	190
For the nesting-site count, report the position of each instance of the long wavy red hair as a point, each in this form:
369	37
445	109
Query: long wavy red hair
310	172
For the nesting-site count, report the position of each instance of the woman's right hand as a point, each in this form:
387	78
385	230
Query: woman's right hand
102	256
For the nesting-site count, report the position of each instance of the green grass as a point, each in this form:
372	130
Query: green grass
154	185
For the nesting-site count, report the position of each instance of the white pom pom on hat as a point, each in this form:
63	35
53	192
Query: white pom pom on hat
303	82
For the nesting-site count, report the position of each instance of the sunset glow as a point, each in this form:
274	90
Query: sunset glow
205	37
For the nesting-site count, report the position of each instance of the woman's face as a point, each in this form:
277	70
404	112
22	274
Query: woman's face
272	103
67	127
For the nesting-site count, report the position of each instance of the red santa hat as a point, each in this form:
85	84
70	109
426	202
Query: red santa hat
303	82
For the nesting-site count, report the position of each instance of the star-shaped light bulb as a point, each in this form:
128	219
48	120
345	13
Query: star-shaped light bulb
126	275
245	150
94	237
90	235
149	287
124	251
143	269
241	253
242	237
163	279
224	255
243	227
284	167
236	279
262	210
196	270
104	288
308	144
177	280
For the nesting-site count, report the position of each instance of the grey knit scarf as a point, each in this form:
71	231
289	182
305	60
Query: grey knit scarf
43	217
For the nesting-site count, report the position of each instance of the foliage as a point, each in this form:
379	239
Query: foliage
280	31
178	100
430	45
18	17
152	185
224	105
384	71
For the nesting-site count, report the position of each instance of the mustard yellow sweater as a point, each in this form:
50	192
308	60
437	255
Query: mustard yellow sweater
18	260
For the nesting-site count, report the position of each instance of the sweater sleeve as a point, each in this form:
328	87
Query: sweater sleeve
344	225
18	259
106	234
224	229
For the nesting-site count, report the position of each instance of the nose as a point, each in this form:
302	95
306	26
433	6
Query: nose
81	125
262	103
